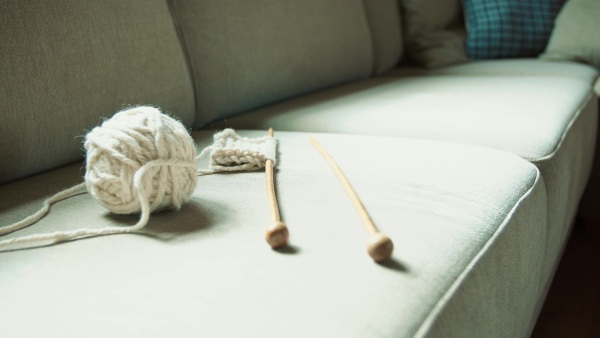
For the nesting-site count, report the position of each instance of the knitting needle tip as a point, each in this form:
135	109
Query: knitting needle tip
277	235
380	247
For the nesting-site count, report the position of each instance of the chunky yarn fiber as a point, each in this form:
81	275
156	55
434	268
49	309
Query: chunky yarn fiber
140	160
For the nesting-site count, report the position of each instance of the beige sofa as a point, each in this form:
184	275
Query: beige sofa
474	170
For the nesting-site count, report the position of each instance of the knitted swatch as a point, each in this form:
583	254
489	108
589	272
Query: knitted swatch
231	152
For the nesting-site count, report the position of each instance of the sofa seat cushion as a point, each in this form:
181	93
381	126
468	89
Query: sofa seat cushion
542	111
468	223
523	114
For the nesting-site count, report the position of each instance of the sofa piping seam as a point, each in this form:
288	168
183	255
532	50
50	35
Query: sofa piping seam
451	291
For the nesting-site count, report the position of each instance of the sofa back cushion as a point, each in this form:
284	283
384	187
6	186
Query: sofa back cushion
65	64
245	54
575	36
434	32
383	17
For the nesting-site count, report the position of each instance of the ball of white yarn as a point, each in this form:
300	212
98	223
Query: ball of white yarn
140	157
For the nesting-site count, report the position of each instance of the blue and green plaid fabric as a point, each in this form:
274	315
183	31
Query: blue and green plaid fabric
509	28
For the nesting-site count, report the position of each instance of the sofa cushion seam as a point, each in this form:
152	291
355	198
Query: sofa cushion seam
563	137
186	52
369	25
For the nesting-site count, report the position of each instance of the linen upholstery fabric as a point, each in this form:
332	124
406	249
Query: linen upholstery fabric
247	54
509	28
66	64
507	67
575	36
469	225
434	32
517	67
588	207
566	171
526	115
548	120
383	17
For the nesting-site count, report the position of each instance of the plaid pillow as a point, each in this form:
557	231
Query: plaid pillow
509	28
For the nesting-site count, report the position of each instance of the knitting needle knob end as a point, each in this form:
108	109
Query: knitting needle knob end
277	235
380	247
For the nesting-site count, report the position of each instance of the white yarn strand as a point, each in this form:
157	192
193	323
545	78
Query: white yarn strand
70	192
140	161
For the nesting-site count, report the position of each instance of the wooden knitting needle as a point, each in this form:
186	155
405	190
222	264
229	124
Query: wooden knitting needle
277	235
379	246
